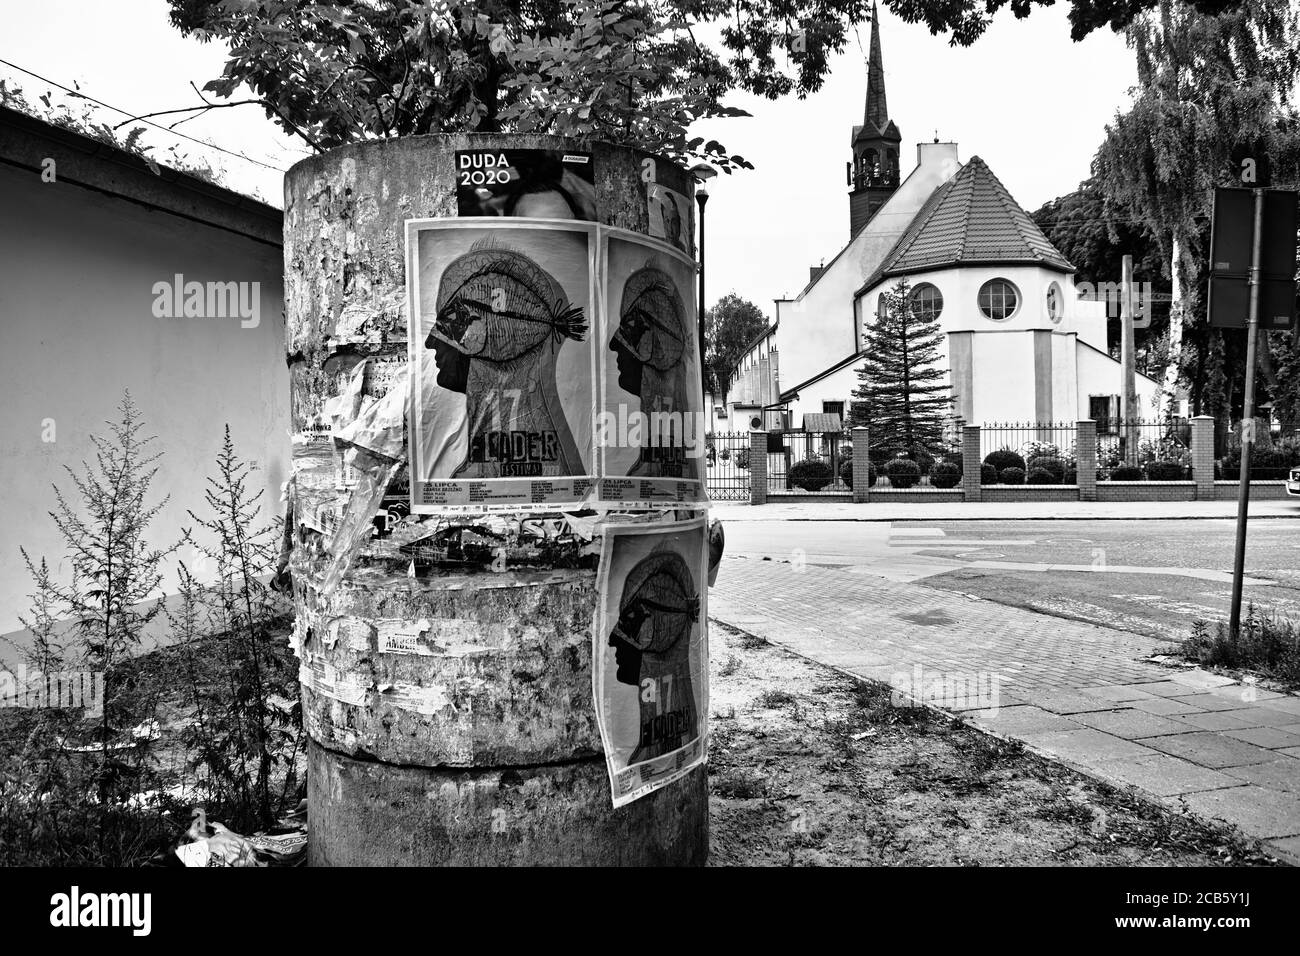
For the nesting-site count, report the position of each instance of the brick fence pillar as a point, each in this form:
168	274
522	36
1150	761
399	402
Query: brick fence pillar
1085	455
970	462
861	464
1203	457
758	468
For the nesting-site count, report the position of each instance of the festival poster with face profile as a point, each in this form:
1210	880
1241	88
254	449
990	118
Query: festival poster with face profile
650	654
500	332
651	426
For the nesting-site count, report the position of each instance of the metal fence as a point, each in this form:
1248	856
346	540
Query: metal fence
727	466
808	463
1030	441
1142	449
1272	456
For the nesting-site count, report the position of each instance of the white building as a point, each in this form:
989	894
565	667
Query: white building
1020	343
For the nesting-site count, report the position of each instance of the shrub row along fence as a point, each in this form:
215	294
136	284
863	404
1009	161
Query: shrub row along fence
1113	459
809	463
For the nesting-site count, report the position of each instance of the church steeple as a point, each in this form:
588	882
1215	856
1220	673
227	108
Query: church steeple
873	174
876	115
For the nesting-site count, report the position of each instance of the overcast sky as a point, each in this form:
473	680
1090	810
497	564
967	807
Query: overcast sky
1025	98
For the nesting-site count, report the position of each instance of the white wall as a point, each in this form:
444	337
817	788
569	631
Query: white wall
77	270
836	387
819	328
1003	351
1099	374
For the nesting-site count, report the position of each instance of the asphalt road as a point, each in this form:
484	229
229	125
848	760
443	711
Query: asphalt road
1150	577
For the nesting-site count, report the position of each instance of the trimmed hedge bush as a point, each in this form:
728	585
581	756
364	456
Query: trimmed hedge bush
1041	476
1265	463
988	474
1003	459
1127	473
811	474
945	475
1053	466
1012	476
1166	471
846	473
902	472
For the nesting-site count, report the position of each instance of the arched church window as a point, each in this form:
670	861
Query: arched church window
998	299
927	301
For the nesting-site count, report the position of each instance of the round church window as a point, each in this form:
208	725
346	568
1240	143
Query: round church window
998	299
1055	302
927	301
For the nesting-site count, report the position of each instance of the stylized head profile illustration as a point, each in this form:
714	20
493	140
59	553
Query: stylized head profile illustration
652	640
500	322
651	343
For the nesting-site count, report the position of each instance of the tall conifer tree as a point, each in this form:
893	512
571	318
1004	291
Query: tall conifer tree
903	396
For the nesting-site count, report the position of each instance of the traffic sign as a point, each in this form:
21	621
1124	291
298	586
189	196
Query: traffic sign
1231	242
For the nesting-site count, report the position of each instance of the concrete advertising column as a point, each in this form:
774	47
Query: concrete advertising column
447	668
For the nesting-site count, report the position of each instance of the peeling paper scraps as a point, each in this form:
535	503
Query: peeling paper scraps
325	679
374	473
345	406
414	545
429	701
372	320
298	636
379	426
440	637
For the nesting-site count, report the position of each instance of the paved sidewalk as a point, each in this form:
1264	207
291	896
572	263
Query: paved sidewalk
1077	692
997	510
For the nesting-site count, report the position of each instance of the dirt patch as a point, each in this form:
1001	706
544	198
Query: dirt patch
808	767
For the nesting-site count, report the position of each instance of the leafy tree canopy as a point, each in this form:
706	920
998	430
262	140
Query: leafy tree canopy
629	71
731	325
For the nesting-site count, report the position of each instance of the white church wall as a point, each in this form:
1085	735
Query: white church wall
820	328
1065	378
836	387
1099	374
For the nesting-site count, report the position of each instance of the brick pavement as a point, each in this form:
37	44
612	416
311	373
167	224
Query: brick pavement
1074	691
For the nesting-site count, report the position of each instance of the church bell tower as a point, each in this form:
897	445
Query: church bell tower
873	173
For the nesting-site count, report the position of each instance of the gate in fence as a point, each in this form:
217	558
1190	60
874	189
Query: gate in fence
727	466
802	462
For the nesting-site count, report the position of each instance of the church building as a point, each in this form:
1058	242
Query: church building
1020	344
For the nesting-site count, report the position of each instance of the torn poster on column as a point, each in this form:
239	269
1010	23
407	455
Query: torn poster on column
651	426
503	397
650	654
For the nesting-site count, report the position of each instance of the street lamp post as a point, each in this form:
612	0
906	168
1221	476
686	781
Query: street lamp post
703	173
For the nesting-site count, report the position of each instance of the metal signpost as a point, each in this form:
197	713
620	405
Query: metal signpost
1255	226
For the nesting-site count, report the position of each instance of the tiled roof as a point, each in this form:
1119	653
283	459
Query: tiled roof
822	422
969	219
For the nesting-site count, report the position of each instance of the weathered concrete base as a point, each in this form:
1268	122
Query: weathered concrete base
365	813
